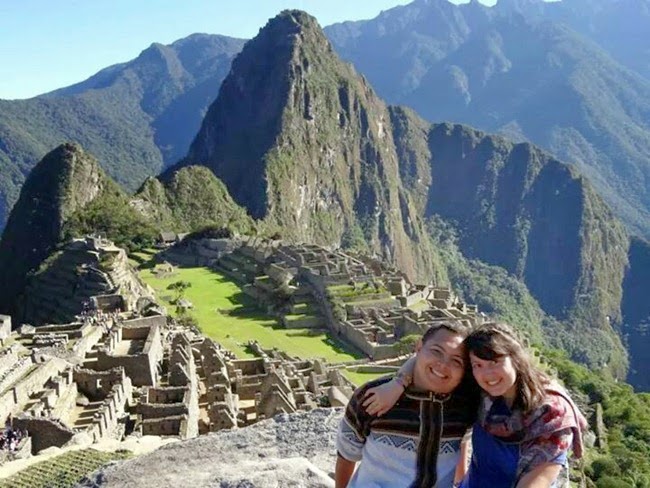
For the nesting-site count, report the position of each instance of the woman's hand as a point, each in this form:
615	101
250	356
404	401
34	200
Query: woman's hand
380	399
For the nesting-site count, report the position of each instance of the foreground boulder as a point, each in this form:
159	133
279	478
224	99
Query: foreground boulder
295	450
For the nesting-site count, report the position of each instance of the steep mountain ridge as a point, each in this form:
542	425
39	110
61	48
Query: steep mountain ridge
322	149
65	181
506	71
316	144
190	199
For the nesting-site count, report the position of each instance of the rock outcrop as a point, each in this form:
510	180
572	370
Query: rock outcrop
296	450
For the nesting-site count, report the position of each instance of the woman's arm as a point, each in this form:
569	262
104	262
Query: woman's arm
542	476
380	399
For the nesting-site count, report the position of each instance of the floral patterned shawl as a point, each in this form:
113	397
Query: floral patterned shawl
543	434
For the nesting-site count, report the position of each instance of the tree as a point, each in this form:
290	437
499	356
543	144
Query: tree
406	345
179	287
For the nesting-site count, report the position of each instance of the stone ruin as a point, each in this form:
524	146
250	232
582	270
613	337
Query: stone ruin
360	300
84	268
112	372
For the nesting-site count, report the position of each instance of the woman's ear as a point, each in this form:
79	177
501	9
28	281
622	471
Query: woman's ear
418	346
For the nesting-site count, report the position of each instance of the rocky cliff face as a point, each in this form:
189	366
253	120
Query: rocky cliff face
636	313
518	208
65	181
303	142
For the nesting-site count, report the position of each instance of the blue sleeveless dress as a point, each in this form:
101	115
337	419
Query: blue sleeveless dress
494	462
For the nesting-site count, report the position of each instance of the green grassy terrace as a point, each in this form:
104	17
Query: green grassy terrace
360	378
231	318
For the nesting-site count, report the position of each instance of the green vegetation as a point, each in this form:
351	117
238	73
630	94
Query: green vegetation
191	199
359	378
627	417
224	313
111	216
63	471
356	292
504	297
491	288
406	345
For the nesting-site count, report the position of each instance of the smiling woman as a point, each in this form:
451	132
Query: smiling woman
526	423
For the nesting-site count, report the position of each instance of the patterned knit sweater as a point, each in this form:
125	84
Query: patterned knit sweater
415	444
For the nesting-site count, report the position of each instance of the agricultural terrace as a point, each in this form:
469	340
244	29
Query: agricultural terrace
224	313
64	471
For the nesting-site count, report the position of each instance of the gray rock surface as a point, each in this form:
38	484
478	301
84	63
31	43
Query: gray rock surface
296	451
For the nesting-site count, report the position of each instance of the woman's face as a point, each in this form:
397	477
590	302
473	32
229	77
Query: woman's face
498	377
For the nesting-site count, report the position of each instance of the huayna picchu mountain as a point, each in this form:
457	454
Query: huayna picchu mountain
302	141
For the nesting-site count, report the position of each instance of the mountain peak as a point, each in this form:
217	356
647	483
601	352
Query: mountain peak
243	123
64	181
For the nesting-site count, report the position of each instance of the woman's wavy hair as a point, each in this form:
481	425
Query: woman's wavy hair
494	340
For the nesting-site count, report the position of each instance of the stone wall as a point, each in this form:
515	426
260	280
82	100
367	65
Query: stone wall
18	395
164	426
96	385
106	421
109	303
5	326
155	320
142	367
43	431
81	347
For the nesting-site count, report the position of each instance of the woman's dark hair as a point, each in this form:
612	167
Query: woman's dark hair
494	340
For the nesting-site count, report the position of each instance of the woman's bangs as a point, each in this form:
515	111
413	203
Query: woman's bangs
484	346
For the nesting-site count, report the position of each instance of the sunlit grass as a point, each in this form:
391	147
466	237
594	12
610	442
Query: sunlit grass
360	378
231	318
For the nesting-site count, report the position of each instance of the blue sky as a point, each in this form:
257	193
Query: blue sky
48	44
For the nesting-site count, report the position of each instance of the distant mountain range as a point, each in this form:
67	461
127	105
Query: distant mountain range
570	76
564	75
135	117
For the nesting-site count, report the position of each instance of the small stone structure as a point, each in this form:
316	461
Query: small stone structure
5	326
136	345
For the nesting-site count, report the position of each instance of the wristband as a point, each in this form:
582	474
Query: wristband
404	380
